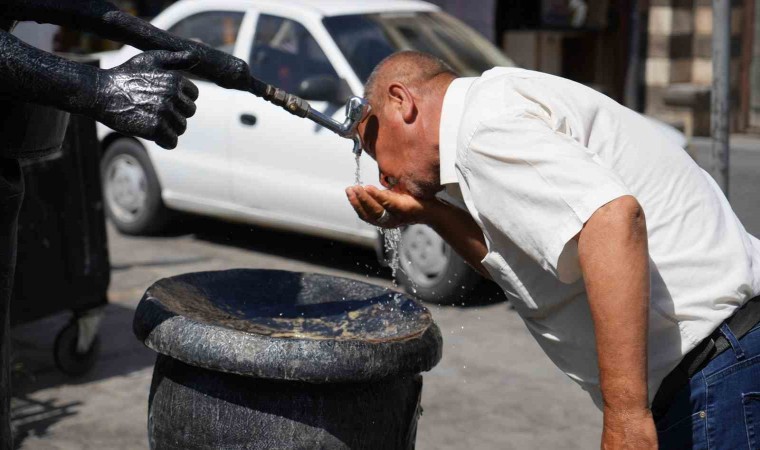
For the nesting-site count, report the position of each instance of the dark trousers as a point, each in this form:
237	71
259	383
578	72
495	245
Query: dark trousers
11	195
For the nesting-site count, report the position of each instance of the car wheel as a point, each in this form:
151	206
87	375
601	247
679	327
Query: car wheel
131	191
431	270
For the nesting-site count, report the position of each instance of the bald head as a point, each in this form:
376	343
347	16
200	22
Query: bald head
406	91
413	69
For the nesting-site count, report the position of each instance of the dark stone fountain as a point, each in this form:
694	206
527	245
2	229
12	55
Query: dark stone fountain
260	359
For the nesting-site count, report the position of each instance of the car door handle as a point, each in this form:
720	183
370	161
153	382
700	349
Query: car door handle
248	119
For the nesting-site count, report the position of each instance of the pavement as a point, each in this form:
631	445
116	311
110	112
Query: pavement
493	389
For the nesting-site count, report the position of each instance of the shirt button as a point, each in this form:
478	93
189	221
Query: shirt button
702	414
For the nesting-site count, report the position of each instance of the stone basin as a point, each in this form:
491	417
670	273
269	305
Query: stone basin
275	359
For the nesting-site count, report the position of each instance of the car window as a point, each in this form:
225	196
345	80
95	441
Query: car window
217	29
284	54
365	39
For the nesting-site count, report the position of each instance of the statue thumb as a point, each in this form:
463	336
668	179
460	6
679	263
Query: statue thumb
184	60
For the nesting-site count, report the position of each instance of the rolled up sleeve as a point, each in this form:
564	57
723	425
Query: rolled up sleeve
537	187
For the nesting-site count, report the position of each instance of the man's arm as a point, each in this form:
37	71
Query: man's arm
107	21
614	259
461	232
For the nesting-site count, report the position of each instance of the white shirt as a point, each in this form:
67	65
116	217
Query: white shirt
535	156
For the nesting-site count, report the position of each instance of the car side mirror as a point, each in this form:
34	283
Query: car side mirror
324	88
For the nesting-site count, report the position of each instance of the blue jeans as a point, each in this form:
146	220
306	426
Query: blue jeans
720	407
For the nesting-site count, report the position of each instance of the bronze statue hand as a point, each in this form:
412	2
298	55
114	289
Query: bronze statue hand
144	97
222	68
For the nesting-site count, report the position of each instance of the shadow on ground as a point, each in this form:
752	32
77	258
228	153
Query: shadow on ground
33	418
34	367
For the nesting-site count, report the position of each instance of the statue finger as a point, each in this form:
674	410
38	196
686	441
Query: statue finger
165	136
184	60
175	119
185	105
188	88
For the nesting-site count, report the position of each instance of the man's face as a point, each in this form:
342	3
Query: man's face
407	164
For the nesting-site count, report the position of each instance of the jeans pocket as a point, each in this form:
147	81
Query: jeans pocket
687	433
751	403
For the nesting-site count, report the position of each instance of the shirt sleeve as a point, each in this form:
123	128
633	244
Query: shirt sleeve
537	187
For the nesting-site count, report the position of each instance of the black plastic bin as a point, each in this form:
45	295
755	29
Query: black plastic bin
62	251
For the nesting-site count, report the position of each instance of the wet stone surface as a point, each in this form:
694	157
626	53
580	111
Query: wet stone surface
286	325
291	305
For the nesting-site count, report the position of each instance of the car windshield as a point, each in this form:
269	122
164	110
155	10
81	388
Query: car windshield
365	39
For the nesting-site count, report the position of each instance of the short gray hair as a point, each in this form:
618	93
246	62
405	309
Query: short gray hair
411	68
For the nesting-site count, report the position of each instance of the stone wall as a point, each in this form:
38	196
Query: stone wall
679	61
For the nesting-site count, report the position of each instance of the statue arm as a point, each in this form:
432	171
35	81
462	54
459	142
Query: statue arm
29	74
143	97
107	21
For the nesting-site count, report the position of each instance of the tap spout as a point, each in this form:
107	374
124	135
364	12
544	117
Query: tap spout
357	109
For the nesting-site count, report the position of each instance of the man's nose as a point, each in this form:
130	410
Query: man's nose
384	181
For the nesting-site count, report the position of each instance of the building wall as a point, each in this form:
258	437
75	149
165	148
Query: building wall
751	67
679	58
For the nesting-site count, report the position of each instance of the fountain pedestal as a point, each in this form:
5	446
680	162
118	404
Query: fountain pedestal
259	359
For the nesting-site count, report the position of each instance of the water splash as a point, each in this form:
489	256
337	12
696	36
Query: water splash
391	236
391	240
358	172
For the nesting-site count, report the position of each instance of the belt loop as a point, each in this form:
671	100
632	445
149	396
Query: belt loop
735	345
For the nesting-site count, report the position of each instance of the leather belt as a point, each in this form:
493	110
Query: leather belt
743	320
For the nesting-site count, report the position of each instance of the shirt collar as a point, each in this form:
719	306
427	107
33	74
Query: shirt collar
451	117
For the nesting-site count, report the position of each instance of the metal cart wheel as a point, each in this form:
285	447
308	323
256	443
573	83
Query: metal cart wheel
68	357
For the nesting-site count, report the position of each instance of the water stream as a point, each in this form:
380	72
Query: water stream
391	236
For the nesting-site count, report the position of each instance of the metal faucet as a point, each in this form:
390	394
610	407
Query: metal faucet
357	109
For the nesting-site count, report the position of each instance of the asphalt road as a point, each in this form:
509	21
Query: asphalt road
494	388
744	177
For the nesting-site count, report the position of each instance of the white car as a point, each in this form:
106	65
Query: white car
244	159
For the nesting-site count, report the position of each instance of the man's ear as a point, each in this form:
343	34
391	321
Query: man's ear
401	98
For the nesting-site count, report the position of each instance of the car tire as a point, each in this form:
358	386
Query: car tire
131	191
431	270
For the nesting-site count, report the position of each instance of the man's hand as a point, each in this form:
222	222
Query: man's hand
144	97
454	225
370	203
628	430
